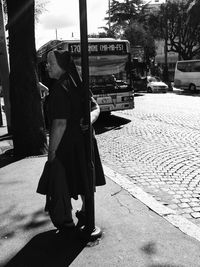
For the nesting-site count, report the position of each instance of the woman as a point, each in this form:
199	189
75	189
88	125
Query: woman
66	140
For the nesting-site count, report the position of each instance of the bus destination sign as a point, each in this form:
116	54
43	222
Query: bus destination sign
100	48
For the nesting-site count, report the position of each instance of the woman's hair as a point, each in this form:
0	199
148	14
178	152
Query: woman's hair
66	62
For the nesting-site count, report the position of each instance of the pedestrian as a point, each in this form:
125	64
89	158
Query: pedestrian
67	159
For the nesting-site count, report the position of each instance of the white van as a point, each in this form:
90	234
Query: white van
187	75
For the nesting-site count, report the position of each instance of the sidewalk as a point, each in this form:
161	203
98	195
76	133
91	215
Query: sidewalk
133	235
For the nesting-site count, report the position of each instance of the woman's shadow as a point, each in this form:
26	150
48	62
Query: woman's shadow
49	249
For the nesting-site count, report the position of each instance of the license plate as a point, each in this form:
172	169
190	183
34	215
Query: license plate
103	100
105	108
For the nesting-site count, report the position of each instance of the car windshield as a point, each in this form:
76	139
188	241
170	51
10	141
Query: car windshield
153	79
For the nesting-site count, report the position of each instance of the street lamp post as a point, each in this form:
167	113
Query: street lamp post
165	70
91	231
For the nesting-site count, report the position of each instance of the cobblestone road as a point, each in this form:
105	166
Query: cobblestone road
157	146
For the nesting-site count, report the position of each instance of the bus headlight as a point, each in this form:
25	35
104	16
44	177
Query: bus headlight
127	98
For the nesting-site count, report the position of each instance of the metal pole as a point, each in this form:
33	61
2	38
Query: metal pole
4	68
109	15
90	229
165	71
56	34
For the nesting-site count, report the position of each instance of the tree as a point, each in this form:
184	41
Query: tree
123	14
182	35
139	36
128	20
193	12
26	112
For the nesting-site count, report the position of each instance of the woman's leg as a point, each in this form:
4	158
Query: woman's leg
83	203
80	214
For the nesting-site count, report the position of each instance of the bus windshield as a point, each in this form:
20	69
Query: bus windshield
103	68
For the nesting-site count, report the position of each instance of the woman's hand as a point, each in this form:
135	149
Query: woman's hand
44	91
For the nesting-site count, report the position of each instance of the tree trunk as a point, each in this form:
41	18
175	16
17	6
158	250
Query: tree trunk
27	121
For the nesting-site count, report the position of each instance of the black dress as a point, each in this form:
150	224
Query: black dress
65	102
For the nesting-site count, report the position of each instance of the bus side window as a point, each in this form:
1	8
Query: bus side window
182	67
196	67
185	66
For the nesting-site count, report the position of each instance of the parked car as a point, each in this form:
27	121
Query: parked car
155	85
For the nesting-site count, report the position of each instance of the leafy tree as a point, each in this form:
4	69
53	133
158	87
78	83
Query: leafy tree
101	35
40	8
172	22
128	19
193	12
123	14
138	35
26	112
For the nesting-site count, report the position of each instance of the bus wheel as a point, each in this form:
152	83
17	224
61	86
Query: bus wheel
192	87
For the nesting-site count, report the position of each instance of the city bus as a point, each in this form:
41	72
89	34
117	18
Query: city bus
109	69
187	75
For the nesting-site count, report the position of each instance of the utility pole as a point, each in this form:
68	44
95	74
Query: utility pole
109	15
90	231
4	68
56	34
180	34
165	71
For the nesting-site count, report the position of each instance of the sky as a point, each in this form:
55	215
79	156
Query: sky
61	19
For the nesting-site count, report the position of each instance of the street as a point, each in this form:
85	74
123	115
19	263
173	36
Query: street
156	145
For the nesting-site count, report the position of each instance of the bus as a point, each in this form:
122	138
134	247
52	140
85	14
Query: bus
109	69
187	75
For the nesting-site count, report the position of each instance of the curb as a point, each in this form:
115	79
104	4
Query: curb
183	224
168	214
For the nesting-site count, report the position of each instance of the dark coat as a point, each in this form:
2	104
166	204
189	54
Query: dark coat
53	184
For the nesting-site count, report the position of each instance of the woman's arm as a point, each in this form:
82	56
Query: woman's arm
94	114
57	130
95	110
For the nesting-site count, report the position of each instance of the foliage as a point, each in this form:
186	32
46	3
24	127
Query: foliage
193	12
172	22
138	35
123	14
40	7
128	19
101	34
